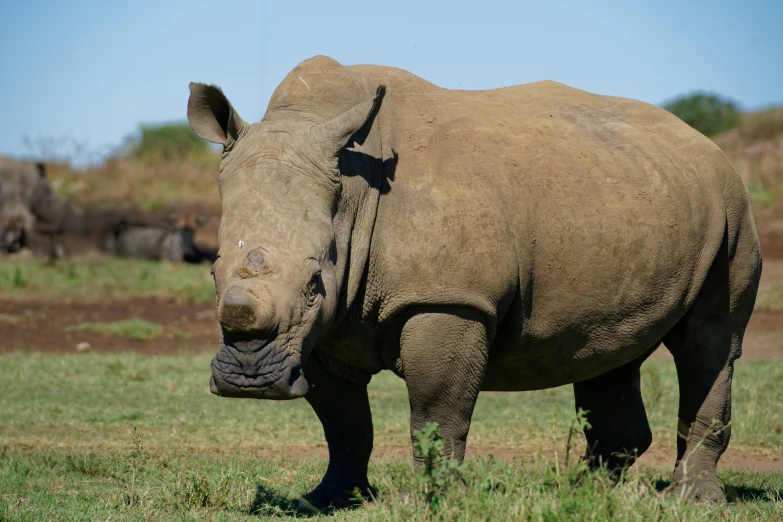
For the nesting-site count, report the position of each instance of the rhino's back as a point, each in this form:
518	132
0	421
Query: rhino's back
594	218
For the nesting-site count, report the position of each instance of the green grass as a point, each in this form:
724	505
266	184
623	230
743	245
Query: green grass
137	329
54	485
83	434
100	278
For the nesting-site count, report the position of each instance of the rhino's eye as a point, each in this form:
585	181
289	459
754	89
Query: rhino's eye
314	283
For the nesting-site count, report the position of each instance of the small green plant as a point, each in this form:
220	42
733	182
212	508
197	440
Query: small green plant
438	470
197	491
578	425
134	465
18	280
137	329
70	272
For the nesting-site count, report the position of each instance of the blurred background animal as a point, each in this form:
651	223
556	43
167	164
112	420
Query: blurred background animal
31	213
167	239
12	234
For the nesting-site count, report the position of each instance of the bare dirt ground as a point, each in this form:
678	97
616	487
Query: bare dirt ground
36	326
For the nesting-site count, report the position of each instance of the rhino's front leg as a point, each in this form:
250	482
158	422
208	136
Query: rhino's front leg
444	357
339	398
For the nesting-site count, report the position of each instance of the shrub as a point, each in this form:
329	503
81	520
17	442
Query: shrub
709	114
168	142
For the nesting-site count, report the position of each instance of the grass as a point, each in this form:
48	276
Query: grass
137	329
54	485
134	437
102	277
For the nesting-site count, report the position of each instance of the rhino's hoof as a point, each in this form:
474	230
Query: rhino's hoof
327	497
703	491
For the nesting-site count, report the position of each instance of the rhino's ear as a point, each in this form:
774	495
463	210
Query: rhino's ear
336	133
40	167
212	117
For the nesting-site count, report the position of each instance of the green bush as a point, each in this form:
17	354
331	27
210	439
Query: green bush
709	114
167	142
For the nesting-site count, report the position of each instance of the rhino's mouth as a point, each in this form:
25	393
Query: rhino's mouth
257	369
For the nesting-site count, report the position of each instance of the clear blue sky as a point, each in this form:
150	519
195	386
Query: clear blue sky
94	70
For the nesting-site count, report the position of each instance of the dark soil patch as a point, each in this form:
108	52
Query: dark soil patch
36	326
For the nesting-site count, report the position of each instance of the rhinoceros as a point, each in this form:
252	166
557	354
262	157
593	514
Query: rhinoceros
511	239
27	197
169	240
13	230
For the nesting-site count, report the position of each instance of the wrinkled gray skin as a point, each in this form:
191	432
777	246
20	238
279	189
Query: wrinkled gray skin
172	241
29	209
513	239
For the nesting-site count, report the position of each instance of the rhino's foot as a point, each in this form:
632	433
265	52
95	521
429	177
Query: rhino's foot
705	490
333	495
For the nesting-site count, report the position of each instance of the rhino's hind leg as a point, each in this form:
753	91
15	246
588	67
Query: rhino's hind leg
340	400
705	343
444	354
619	431
704	371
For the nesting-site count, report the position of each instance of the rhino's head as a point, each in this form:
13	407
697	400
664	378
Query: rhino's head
26	183
277	279
16	220
12	234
